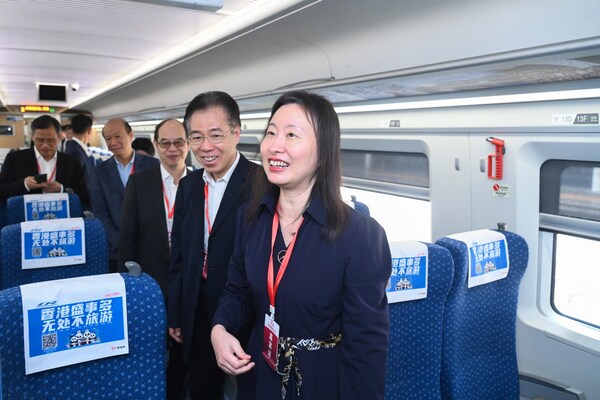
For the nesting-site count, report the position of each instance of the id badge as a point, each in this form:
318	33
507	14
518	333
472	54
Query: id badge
271	342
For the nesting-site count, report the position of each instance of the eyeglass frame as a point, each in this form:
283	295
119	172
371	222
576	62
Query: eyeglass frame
166	144
42	141
211	138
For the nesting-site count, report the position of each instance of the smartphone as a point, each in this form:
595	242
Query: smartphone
40	178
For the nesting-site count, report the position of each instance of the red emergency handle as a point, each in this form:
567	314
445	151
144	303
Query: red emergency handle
494	169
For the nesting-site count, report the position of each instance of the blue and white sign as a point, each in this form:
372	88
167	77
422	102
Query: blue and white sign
46	206
52	243
69	321
408	280
488	255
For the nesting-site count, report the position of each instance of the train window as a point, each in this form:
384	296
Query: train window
410	169
570	210
402	218
250	150
571	189
395	187
576	291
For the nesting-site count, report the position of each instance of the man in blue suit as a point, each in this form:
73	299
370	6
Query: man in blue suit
110	178
203	234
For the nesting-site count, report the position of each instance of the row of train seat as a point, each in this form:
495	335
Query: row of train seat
459	343
138	374
15	209
11	273
12	210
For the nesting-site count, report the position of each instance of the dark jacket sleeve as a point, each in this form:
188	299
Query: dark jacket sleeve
235	308
9	184
100	207
175	269
365	316
78	183
130	222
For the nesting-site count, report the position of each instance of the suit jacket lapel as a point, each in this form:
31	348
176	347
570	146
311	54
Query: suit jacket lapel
234	189
113	176
31	165
60	168
155	189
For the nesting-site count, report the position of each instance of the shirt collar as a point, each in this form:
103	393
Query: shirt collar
130	162
316	208
166	177
83	146
209	179
38	155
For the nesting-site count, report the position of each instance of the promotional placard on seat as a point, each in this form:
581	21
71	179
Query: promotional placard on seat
69	321
46	206
488	255
408	280
52	243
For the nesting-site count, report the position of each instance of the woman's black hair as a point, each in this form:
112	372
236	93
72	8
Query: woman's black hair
328	174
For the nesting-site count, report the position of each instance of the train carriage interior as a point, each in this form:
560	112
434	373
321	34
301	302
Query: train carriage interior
430	95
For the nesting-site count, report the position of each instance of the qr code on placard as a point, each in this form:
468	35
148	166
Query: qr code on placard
49	341
36	251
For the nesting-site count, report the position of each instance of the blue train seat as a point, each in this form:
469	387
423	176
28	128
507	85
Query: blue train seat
2	214
359	206
15	211
415	350
11	273
137	375
479	357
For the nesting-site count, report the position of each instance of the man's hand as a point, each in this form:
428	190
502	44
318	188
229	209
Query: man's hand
52	187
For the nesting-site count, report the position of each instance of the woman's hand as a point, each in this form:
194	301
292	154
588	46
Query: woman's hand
231	358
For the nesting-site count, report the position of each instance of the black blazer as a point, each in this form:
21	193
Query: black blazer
107	194
73	149
19	165
187	246
143	235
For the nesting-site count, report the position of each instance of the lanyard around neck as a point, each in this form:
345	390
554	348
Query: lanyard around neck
170	210
206	207
272	288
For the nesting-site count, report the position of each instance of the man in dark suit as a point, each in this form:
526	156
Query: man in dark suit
203	234
77	146
146	222
110	178
61	171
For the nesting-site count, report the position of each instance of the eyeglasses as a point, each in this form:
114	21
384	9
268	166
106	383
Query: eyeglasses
165	144
41	141
213	139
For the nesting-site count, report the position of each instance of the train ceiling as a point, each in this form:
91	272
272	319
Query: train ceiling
94	46
146	61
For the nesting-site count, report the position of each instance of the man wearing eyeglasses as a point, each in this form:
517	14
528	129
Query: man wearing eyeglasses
203	234
109	179
147	219
42	169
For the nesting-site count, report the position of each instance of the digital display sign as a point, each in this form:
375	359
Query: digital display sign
32	108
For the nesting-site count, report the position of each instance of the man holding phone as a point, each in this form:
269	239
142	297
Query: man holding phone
42	169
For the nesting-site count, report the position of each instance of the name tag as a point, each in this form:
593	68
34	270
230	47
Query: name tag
271	342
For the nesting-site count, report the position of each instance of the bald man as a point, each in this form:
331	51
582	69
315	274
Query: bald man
110	178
